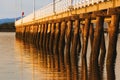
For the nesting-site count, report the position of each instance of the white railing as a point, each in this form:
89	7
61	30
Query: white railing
60	6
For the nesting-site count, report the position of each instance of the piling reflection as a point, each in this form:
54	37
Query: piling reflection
84	70
44	65
63	51
39	63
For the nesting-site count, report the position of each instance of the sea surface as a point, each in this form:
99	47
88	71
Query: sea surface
22	61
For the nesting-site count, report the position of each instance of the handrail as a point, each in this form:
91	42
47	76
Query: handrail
60	6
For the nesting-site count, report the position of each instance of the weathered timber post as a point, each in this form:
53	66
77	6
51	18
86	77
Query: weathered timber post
22	29
45	36
19	29
32	38
97	39
91	34
113	36
68	46
33	30
23	32
16	34
96	49
48	37
40	28
51	43
85	44
41	36
31	33
56	46
27	33
82	26
35	33
20	32
52	38
85	37
62	45
74	52
38	35
42	43
102	54
47	45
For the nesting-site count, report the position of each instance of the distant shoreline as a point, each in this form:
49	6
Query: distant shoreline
7	27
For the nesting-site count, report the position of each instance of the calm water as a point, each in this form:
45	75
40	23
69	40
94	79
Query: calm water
21	61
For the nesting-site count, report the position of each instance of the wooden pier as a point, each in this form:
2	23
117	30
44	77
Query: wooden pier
65	35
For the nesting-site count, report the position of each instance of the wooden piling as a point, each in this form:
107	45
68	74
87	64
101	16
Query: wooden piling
74	52
103	51
35	34
91	34
85	37
68	46
38	35
97	39
62	45
41	36
31	33
112	52
45	36
47	46
56	46
51	45
28	34
52	38
96	48
48	37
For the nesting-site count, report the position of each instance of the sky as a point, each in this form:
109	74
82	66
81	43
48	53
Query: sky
13	8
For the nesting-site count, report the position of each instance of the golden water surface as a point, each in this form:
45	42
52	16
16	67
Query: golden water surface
22	61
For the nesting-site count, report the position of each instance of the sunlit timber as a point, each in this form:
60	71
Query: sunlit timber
63	34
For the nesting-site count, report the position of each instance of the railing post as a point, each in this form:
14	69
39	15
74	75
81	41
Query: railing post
54	6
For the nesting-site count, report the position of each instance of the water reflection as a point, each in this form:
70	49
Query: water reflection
38	62
84	71
43	65
26	62
94	71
